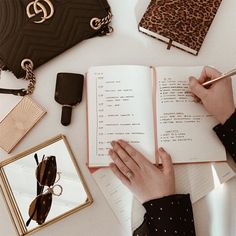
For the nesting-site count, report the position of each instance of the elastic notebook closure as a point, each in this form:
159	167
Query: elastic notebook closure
169	44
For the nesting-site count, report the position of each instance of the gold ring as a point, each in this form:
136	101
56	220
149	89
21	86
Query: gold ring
129	174
25	62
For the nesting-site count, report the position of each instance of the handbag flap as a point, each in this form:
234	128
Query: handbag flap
42	29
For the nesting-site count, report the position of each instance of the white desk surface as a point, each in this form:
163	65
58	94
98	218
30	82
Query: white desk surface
215	214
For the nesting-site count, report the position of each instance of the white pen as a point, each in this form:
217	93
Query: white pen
225	75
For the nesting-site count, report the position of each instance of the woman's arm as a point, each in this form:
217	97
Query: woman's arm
227	134
166	216
218	101
167	213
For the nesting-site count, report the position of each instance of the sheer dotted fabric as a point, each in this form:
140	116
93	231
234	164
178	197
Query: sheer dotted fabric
168	216
172	215
227	135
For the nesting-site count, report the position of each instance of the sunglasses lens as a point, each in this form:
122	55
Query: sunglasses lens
46	172
40	208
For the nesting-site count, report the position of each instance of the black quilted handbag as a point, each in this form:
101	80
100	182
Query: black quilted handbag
34	31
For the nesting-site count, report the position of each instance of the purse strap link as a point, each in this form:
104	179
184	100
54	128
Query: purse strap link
28	66
98	23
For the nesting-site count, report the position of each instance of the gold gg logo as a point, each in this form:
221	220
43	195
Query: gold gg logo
43	7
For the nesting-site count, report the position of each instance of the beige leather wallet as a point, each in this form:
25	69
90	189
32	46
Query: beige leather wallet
18	122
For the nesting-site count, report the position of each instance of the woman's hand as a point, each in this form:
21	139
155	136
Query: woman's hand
145	180
218	98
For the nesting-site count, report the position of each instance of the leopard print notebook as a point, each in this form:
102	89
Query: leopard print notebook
180	23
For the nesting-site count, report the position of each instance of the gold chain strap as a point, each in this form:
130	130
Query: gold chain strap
97	23
28	66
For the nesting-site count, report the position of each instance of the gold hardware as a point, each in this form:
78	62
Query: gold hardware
25	62
39	7
28	66
97	23
94	23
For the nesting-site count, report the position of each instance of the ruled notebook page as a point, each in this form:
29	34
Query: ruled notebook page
118	197
119	100
184	128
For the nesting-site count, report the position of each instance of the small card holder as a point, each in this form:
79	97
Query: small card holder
18	122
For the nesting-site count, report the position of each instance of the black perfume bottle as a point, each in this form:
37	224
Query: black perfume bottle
69	92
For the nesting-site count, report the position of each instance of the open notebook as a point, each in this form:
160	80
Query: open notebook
148	107
196	179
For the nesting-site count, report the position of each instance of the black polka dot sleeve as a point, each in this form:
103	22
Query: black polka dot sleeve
168	216
227	135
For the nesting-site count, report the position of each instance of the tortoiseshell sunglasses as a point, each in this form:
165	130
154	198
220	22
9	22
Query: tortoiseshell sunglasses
46	174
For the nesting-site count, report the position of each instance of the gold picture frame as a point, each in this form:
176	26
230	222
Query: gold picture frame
11	201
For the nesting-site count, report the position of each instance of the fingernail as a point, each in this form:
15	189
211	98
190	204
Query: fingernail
113	143
161	149
110	152
120	141
111	165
